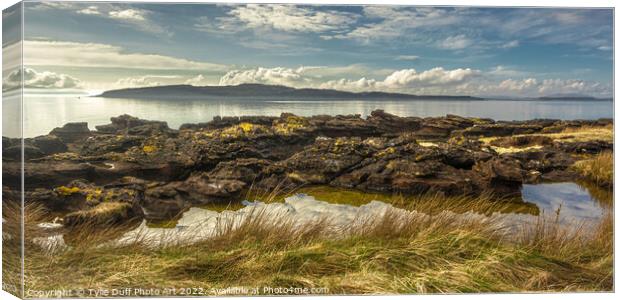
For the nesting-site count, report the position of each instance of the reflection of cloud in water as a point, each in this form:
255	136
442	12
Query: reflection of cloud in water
574	202
299	210
198	224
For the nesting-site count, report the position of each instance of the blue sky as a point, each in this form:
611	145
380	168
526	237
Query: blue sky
421	50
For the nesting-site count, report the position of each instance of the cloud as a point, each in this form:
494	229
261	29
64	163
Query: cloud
126	15
11	56
390	22
146	81
311	77
91	10
511	44
437	76
75	54
196	81
532	87
35	79
460	81
481	28
456	42
304	76
503	71
278	76
129	14
289	18
407	57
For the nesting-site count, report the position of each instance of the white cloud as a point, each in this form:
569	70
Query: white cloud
511	44
134	82
407	57
139	19
91	10
278	76
532	87
290	18
128	14
456	42
11	56
75	54
503	71
460	81
35	79
401	80
410	78
362	84
196	81
390	22
146	81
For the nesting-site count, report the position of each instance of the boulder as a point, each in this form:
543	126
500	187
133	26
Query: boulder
201	189
104	144
162	202
72	132
49	144
502	176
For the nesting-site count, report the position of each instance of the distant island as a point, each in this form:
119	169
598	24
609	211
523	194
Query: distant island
259	91
576	98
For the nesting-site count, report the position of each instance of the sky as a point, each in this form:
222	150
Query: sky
507	52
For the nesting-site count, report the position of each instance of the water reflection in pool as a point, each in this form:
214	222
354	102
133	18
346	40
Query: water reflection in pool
576	203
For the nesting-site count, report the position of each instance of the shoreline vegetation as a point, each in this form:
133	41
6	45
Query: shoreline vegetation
392	254
93	186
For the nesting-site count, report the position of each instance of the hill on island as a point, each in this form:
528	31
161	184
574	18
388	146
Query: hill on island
258	91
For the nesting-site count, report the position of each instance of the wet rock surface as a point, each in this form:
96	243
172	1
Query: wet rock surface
134	168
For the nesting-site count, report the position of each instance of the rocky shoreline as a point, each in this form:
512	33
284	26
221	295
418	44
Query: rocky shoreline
134	168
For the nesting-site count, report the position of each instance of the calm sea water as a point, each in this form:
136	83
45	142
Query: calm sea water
44	112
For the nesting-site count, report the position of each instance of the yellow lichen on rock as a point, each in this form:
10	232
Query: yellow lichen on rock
290	125
149	149
246	127
67	191
386	151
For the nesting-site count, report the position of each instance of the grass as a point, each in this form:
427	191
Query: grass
568	135
418	253
599	169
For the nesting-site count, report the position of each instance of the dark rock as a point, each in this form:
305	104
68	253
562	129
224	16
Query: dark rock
49	144
392	125
72	132
502	176
243	169
201	189
162	202
103	144
499	129
126	124
591	147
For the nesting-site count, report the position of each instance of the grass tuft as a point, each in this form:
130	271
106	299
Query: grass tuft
599	169
443	248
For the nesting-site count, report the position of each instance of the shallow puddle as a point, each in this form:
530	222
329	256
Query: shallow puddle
570	201
575	203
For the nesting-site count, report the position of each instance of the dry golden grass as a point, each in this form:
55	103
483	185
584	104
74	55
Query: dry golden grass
568	135
599	169
436	252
